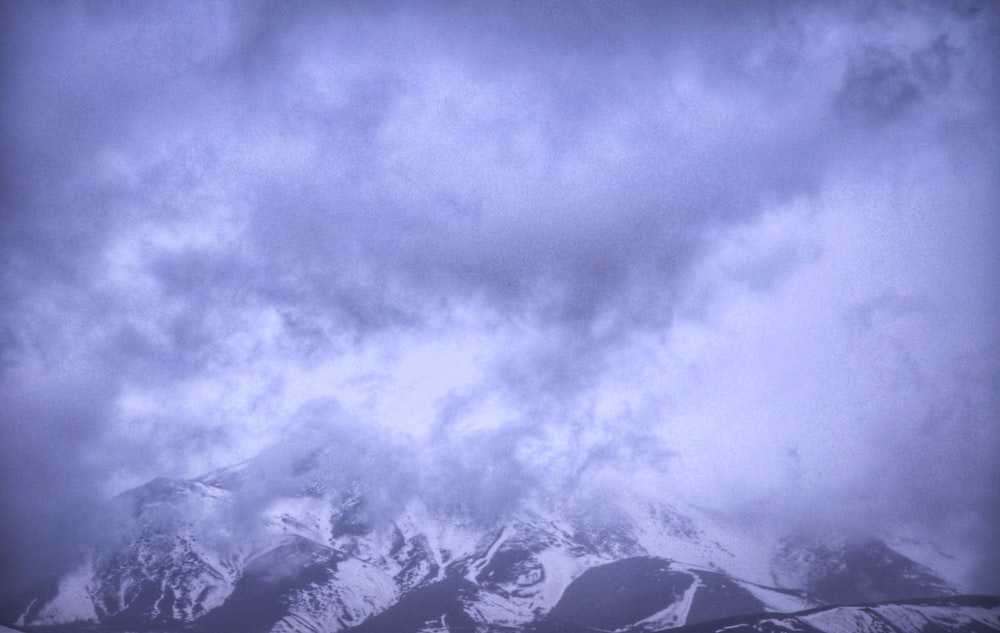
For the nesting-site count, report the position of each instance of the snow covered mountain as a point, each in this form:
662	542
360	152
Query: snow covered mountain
217	555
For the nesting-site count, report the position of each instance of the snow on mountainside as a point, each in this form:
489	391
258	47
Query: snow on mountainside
968	614
213	555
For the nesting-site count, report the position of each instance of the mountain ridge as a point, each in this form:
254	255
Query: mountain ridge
211	555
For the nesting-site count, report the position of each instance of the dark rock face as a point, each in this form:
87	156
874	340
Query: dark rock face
861	572
618	594
511	570
719	597
261	597
438	606
415	559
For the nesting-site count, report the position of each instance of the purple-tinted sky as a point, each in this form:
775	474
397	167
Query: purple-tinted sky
740	252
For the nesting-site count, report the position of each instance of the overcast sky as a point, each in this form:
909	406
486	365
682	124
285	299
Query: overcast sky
740	252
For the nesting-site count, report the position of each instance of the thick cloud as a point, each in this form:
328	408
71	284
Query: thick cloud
747	248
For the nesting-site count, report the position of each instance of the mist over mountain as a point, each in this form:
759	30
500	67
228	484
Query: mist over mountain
300	541
485	260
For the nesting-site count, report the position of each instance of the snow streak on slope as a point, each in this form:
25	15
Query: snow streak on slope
353	593
675	615
73	603
476	566
904	618
960	614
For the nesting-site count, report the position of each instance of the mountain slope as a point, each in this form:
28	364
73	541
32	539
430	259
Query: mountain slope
214	555
966	614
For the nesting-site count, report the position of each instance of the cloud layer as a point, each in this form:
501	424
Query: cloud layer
748	249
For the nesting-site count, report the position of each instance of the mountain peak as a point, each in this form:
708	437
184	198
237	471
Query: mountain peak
323	558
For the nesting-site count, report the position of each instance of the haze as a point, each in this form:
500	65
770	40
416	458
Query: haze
738	253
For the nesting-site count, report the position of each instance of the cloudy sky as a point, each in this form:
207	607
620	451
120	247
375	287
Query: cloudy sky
744	253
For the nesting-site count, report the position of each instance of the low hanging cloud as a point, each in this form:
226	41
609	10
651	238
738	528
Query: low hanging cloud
748	249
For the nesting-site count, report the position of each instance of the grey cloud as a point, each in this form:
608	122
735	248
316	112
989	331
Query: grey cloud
318	222
889	304
933	64
938	471
878	87
560	168
483	477
51	475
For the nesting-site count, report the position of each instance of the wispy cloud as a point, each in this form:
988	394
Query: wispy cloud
749	249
